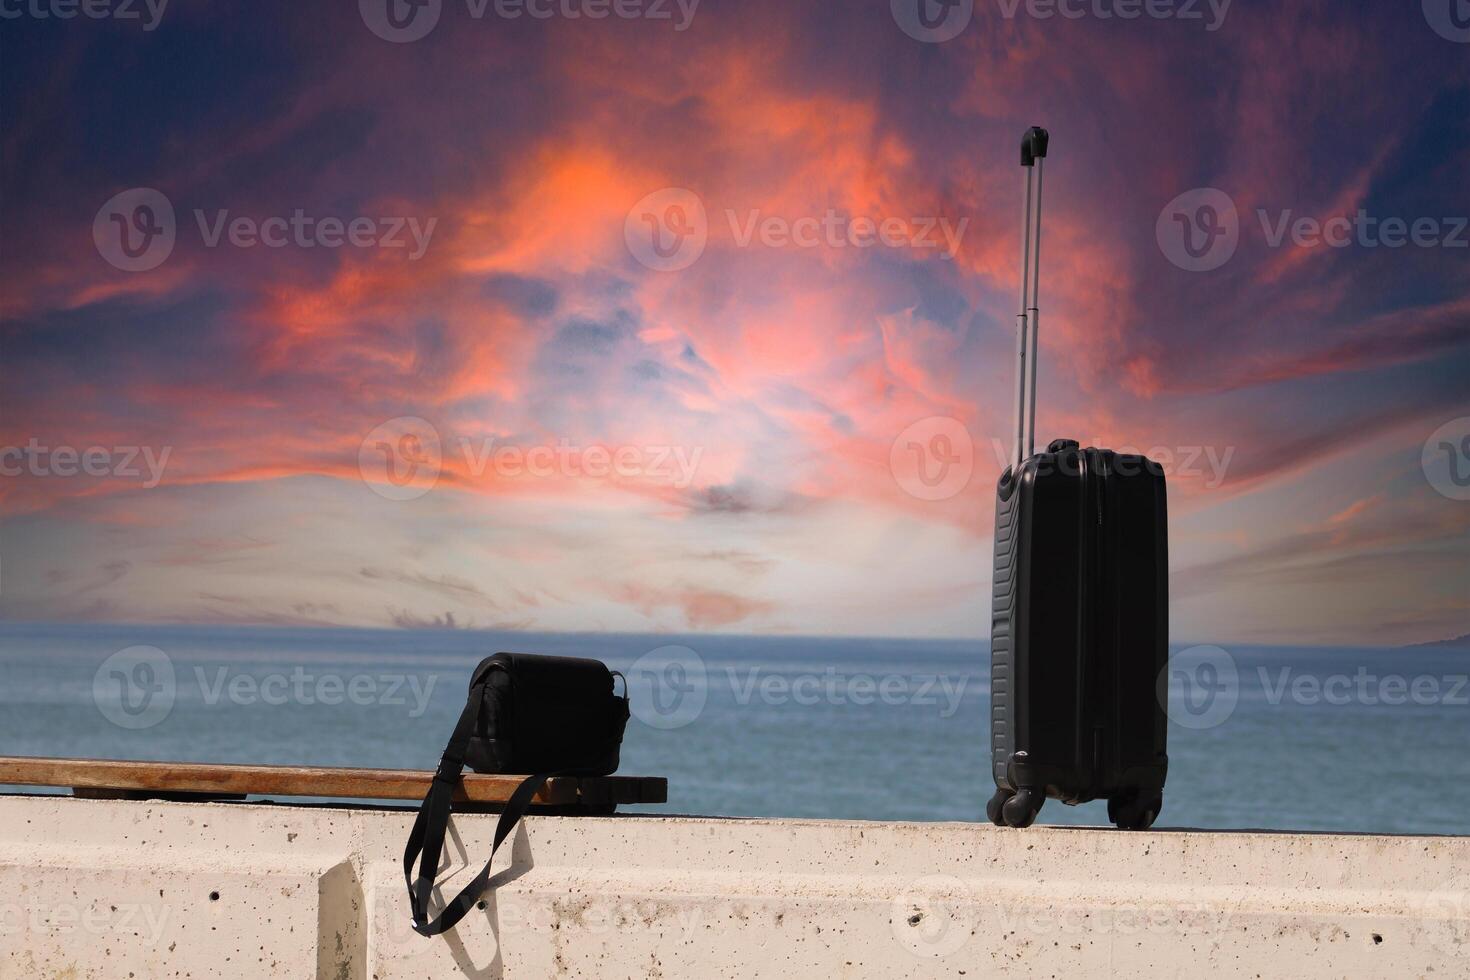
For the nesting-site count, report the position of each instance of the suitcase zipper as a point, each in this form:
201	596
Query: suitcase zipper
1094	484
1086	695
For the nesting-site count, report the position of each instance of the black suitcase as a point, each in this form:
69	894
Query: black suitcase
1079	614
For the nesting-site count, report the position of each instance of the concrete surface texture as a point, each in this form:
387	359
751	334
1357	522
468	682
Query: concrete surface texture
92	888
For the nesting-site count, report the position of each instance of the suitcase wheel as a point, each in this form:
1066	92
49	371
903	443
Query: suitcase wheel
1021	809
994	804
1135	811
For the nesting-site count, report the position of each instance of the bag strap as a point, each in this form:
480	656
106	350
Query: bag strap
427	836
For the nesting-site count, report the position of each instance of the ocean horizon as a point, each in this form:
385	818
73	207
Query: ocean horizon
1310	738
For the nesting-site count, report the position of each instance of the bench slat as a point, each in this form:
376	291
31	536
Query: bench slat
372	784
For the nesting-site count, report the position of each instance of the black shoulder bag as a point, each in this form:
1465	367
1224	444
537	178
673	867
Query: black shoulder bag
551	716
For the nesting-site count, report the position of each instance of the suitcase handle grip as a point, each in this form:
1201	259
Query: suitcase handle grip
1033	145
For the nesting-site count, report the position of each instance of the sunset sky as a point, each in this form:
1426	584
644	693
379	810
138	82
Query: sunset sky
498	404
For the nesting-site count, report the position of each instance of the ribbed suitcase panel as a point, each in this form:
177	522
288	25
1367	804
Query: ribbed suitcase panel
1002	630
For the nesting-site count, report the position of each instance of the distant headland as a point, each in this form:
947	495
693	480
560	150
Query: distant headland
1454	643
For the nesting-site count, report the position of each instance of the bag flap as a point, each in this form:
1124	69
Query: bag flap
539	677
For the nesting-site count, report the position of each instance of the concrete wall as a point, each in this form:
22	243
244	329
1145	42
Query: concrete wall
118	889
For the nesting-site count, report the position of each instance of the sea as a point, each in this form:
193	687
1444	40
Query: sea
1341	739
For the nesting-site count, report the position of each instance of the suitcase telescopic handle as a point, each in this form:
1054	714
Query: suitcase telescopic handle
1033	151
1033	145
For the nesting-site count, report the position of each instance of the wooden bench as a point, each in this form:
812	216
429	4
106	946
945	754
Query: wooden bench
115	779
